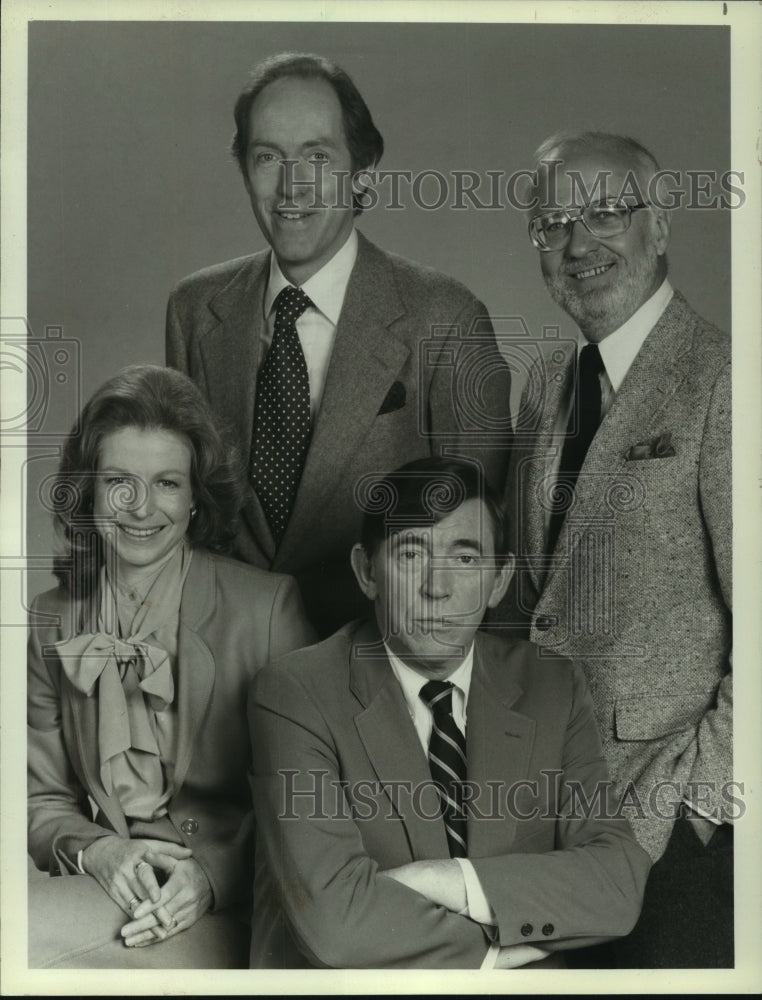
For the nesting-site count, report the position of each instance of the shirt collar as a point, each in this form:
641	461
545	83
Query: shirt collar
620	348
411	681
326	288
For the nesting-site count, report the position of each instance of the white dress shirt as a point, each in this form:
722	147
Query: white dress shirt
316	327
411	682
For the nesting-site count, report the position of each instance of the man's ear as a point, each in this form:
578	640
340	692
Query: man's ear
502	579
362	565
663	222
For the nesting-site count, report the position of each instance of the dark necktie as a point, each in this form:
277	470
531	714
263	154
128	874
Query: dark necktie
584	420
447	763
281	415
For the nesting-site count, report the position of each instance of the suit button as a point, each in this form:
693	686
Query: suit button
189	826
526	929
548	929
543	623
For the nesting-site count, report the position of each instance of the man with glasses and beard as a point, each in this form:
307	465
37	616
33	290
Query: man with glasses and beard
620	503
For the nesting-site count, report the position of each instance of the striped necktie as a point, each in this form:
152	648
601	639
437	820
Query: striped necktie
447	762
281	435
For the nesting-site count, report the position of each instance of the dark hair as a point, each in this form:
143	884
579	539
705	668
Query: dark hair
423	492
151	398
364	141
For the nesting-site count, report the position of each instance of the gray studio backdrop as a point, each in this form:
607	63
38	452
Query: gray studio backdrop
131	186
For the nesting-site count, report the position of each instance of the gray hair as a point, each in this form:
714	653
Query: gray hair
561	145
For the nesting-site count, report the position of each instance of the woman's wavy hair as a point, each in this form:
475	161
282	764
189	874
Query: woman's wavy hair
150	398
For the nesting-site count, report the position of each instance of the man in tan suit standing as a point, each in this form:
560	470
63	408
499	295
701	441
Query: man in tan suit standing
619	491
326	357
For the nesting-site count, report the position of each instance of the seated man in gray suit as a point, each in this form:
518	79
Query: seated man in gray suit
626	566
427	795
327	357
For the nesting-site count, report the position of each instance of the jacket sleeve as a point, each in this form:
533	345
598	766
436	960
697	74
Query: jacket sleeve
712	748
289	628
470	394
590	887
341	910
226	858
57	804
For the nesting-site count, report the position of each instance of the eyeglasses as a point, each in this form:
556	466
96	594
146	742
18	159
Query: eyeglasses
553	230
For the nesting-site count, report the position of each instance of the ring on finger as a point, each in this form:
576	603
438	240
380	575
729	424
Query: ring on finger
133	903
172	925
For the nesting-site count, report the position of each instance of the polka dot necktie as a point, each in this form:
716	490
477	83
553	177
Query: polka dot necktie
447	763
281	415
584	421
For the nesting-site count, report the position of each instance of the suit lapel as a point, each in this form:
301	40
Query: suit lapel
365	361
233	344
393	748
232	353
195	664
654	377
636	413
499	747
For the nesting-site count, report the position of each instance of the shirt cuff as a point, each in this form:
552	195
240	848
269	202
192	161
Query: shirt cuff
491	957
477	904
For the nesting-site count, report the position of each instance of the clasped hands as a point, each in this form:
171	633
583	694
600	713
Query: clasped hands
126	870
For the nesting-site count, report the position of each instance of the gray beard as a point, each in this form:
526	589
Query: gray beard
603	311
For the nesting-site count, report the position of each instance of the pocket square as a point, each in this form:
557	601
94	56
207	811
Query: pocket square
657	447
395	399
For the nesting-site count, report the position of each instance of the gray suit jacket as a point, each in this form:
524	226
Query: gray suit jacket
233	620
638	589
342	791
413	350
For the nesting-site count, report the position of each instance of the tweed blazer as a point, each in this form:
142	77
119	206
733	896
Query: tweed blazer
342	792
233	620
414	371
638	588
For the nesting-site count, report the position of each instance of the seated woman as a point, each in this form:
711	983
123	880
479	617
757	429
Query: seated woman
138	676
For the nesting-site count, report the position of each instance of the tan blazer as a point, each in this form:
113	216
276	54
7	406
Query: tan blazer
638	589
330	725
412	349
233	620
